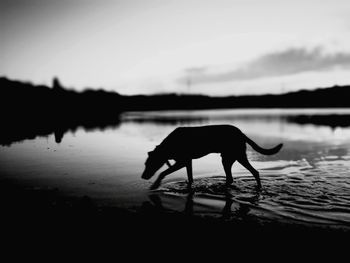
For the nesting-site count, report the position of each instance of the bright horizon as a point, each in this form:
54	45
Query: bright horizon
210	47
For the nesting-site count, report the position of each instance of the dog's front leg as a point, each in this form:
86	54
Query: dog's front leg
170	170
189	172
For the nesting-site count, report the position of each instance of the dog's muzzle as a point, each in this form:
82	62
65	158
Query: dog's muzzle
145	176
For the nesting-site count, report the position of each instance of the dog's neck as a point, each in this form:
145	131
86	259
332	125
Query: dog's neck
161	150
158	149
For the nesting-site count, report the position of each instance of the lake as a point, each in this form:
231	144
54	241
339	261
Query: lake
307	182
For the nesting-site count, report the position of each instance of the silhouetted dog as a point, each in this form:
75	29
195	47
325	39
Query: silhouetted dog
187	143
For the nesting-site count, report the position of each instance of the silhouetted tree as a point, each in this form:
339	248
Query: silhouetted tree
56	84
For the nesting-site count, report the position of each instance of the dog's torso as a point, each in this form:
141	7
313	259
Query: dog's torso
196	142
187	143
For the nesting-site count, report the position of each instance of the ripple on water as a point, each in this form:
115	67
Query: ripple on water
307	196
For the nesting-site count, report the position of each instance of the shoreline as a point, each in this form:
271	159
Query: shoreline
47	209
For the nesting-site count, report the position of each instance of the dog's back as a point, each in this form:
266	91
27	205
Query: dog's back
195	142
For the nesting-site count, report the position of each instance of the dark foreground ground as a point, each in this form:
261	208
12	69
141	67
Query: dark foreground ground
42	220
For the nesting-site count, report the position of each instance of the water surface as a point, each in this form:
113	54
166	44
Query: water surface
308	182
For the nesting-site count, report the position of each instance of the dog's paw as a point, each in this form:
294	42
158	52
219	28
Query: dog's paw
229	182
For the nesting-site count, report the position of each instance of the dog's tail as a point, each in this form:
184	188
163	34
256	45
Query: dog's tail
257	148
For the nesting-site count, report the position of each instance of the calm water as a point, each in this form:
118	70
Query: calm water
308	182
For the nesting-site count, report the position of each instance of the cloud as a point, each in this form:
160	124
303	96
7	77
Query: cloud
287	62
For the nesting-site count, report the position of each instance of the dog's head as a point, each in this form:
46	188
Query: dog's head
153	163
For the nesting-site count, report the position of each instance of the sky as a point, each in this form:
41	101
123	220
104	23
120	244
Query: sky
214	47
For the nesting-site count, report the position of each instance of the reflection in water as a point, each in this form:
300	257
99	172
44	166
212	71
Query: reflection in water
58	135
241	210
17	131
322	120
308	182
332	118
285	198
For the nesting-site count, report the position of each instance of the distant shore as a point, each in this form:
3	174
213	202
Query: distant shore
60	99
38	110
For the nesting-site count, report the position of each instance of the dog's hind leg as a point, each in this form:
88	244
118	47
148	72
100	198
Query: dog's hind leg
189	172
227	162
244	161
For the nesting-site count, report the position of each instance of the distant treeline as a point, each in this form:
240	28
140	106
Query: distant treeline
39	98
30	110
